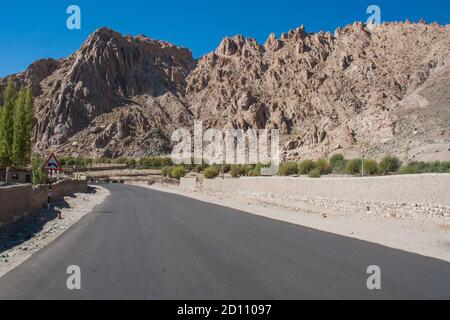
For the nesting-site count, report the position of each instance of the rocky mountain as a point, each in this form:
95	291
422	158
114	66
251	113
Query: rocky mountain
364	89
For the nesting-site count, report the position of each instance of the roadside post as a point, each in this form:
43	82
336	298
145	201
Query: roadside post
51	165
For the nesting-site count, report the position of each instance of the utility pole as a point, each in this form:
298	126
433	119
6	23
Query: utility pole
362	169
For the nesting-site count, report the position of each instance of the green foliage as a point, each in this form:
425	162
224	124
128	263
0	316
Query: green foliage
315	173
370	167
306	166
323	166
102	160
154	162
211	172
226	168
389	164
79	161
129	162
234	171
256	172
177	172
288	169
39	175
245	170
353	167
338	163
424	167
165	171
7	125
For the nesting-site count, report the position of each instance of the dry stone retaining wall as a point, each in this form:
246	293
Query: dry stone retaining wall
17	200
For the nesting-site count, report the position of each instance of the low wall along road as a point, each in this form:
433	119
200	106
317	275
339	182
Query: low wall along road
17	200
402	196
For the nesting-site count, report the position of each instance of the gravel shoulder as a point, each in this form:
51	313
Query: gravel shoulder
427	236
41	227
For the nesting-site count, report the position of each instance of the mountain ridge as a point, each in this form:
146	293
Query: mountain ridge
359	90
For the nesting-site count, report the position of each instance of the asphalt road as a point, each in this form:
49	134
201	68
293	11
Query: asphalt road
143	244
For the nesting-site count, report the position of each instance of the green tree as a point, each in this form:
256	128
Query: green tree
389	164
22	128
39	176
19	131
29	116
7	126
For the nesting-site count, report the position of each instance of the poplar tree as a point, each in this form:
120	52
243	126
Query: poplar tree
29	116
20	131
6	125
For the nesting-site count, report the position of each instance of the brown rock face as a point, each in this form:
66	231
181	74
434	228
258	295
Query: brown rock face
376	90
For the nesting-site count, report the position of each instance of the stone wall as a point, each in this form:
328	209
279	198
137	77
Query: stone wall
421	189
17	200
409	196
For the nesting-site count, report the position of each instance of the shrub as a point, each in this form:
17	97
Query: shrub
353	166
306	166
338	163
177	172
70	162
370	167
165	171
288	169
256	170
389	164
155	162
245	170
39	176
226	168
315	173
410	169
102	160
211	172
423	167
323	166
234	171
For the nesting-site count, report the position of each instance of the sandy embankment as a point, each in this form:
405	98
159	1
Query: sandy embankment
403	226
40	227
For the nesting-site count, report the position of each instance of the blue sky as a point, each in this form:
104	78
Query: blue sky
30	30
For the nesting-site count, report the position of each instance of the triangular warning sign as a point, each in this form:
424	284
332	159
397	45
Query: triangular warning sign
52	164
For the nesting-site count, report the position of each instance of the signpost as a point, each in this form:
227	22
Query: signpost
51	165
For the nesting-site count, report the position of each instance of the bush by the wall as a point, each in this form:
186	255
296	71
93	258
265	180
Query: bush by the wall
389	164
338	163
39	176
246	170
323	166
424	167
370	167
177	172
306	166
315	173
257	170
288	169
353	167
211	172
165	171
234	171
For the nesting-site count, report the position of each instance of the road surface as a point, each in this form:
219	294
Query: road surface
144	244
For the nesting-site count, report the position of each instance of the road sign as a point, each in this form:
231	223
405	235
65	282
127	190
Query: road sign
52	164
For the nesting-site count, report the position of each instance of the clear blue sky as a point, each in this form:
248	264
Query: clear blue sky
31	30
